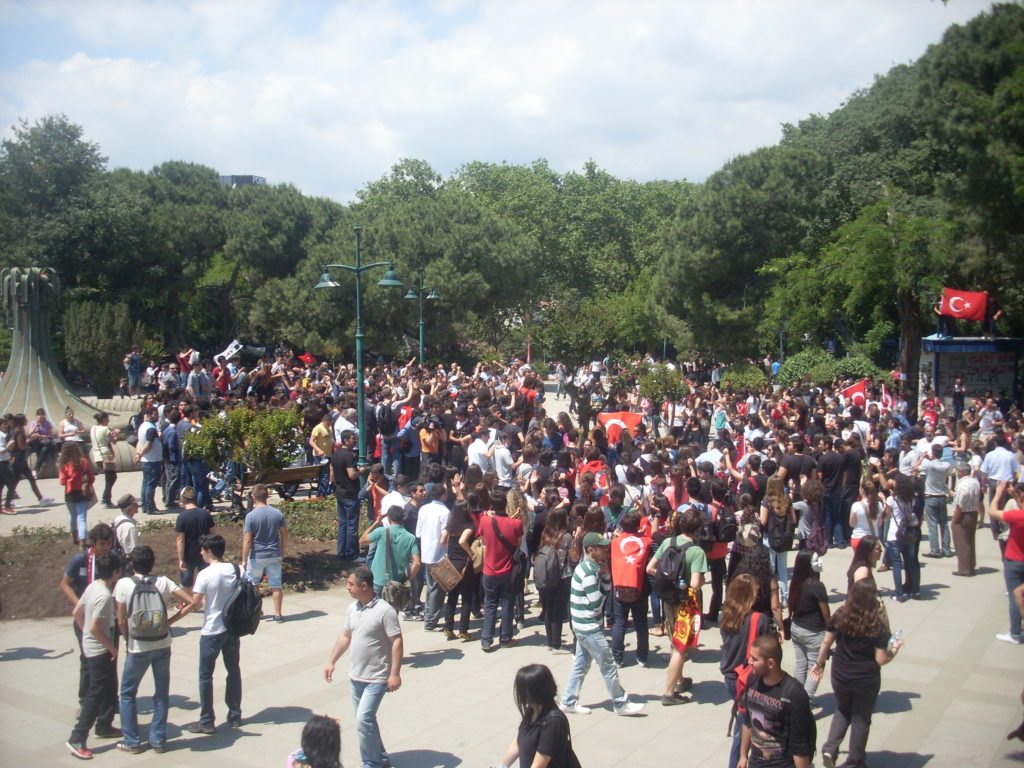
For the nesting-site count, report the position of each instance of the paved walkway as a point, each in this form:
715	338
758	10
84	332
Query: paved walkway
948	700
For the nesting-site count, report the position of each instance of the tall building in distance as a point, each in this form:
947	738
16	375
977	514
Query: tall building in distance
243	181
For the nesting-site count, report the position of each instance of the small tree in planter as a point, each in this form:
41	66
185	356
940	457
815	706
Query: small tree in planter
265	441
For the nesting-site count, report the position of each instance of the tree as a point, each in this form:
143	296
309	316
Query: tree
263	441
96	338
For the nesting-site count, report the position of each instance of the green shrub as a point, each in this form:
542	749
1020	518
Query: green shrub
858	367
799	366
264	441
745	376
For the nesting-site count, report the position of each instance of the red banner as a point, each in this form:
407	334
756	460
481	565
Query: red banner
614	423
307	358
966	305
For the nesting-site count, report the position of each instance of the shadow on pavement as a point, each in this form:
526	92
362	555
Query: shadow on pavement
279	715
424	758
311	614
28	652
423	659
884	757
890	702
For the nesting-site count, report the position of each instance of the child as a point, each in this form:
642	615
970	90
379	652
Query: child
321	744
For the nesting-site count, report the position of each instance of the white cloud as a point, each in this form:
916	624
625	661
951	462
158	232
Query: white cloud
329	95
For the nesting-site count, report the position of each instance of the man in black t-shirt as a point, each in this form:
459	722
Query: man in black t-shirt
192	524
778	727
853	458
831	468
345	476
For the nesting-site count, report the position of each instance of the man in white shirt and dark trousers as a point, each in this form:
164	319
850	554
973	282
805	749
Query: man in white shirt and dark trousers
936	475
213	586
430	524
375	637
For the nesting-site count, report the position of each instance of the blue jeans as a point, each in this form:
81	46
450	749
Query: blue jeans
780	567
1013	572
323	480
832	506
195	474
135	666
902	556
151	471
210	647
433	615
592	646
497	589
936	515
348	529
76	517
737	726
390	458
366	698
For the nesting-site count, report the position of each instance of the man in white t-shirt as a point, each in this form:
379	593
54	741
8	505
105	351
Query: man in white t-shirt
481	451
213	586
430	524
936	496
504	466
143	654
375	637
150	452
94	614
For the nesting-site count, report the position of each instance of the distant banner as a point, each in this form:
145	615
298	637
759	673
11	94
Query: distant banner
232	349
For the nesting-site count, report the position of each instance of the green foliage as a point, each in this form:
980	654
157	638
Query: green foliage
857	367
798	367
96	338
317	520
660	383
745	376
263	440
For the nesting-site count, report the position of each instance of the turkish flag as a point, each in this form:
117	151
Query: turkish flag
854	391
888	401
307	358
614	423
966	305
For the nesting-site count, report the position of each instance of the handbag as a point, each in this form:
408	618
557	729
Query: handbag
445	574
478	548
395	593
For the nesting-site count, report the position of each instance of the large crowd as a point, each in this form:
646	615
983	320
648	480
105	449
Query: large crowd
479	497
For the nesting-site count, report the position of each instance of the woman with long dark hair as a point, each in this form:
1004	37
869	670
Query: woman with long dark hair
757	563
103	439
543	740
866	512
321	744
17	446
776	512
861	635
458	536
809	614
865	557
77	477
554	601
902	536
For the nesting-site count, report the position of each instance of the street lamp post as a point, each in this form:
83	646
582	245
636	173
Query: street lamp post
389	279
417	293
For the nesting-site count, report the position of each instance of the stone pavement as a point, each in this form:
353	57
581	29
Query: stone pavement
948	700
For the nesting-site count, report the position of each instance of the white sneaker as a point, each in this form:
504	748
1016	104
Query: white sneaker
1008	638
575	709
46	501
629	709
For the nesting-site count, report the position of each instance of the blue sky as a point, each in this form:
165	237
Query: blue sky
329	95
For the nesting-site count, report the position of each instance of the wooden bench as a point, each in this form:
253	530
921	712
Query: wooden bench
285	482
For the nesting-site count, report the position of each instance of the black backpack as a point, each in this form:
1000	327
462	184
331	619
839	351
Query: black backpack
547	568
387	420
725	525
781	531
671	568
243	609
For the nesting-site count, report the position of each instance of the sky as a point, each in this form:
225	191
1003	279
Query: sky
328	96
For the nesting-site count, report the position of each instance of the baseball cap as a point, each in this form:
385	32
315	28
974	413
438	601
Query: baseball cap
593	539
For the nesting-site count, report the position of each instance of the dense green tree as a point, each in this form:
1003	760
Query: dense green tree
96	337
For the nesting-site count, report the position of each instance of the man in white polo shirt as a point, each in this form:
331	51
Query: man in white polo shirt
430	525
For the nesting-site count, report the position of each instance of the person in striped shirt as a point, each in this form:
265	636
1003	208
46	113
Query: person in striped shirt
590	584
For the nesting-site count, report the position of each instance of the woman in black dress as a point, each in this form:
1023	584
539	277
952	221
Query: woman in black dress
543	740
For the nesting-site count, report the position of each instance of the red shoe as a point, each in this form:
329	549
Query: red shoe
8	511
80	751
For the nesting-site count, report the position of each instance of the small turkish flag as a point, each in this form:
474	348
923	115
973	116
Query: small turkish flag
307	358
856	394
888	401
966	305
614	423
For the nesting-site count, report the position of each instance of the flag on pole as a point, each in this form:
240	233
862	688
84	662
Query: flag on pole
856	394
307	358
231	350
614	423
888	401
966	305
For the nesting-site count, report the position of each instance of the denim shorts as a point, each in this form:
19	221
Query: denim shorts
272	566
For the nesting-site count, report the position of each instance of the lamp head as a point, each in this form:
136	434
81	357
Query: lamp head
390	278
326	281
432	295
412	294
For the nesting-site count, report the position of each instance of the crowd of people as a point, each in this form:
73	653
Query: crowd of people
475	496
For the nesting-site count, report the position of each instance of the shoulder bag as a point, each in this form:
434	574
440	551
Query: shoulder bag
395	593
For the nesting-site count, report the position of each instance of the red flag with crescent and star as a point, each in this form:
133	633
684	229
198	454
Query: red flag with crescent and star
966	305
856	394
614	423
307	358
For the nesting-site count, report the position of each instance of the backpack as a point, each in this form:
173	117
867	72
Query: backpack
147	611
243	608
547	568
781	530
672	568
387	420
716	527
725	525
817	538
